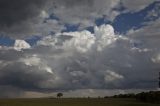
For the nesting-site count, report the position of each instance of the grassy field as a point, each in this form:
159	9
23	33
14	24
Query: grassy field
73	102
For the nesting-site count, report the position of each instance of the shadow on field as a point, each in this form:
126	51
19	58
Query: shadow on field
74	102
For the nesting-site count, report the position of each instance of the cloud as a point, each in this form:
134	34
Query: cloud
148	38
27	18
10	92
80	61
18	17
83	12
21	44
112	76
83	93
73	61
37	62
136	5
82	41
83	60
156	59
22	19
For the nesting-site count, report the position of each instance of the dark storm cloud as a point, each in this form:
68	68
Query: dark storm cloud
14	76
7	55
16	16
9	91
70	3
16	11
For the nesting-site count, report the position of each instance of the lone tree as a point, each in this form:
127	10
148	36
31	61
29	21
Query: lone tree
59	95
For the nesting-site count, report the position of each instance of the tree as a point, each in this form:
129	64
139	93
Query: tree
59	95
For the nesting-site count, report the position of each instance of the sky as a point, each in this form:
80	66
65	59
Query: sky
79	47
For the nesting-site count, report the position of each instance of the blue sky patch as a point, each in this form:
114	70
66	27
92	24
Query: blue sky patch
33	40
71	28
127	21
6	41
91	29
101	21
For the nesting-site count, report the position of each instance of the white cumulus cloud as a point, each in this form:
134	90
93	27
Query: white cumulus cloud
21	44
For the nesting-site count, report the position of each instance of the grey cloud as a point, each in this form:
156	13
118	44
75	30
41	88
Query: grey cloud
18	15
5	55
48	67
149	40
70	3
16	11
10	92
83	12
19	75
22	18
136	5
57	63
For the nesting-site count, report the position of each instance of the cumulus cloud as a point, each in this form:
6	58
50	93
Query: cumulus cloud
21	44
73	61
83	40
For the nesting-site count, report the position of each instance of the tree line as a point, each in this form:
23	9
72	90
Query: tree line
151	96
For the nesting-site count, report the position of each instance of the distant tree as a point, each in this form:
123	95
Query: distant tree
59	95
106	97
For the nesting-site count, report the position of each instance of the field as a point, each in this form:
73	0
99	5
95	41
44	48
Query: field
73	102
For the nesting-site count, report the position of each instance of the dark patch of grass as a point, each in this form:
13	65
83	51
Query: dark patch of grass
73	102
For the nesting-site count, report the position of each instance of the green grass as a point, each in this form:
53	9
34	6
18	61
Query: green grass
73	102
